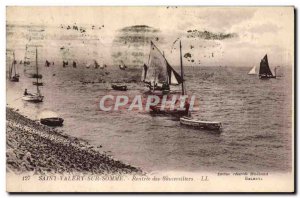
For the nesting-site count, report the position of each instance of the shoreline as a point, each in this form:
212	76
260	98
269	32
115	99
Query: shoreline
33	147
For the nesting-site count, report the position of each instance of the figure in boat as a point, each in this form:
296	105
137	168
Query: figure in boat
264	69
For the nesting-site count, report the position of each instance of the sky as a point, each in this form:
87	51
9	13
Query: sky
257	30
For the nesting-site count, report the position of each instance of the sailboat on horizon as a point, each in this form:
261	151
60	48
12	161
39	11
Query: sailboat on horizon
253	71
35	97
264	69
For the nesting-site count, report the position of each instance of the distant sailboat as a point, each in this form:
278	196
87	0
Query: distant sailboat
122	66
96	65
36	97
252	71
264	69
13	76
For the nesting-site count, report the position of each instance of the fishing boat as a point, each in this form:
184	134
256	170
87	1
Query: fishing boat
253	71
119	87
122	66
13	76
198	124
264	69
53	121
159	75
35	97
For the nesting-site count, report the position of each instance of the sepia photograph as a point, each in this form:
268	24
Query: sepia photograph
150	98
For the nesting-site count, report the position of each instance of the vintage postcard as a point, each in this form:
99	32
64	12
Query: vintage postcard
150	99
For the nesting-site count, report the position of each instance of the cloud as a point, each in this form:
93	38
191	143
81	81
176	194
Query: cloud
264	28
210	35
225	18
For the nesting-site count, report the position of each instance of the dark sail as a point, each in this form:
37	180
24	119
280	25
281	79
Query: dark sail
144	74
264	69
173	77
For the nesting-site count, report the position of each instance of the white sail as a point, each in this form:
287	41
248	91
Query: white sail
157	67
252	71
173	80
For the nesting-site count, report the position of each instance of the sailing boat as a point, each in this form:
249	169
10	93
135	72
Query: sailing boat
13	77
122	66
264	70
36	97
252	71
159	74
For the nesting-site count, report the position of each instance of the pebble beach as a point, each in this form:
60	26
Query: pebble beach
32	147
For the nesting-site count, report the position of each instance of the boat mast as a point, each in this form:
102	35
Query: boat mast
37	71
181	67
11	69
14	65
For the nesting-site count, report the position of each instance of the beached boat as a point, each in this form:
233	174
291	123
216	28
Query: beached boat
36	97
253	71
53	121
195	123
119	87
13	75
264	69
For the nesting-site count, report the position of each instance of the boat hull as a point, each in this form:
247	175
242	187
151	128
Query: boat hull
14	79
39	84
119	87
33	98
266	77
216	126
40	76
52	121
157	110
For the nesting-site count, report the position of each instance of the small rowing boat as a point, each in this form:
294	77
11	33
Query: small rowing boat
119	87
200	124
54	121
